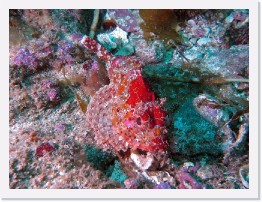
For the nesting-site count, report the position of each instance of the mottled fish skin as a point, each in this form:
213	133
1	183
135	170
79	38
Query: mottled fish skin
94	47
125	114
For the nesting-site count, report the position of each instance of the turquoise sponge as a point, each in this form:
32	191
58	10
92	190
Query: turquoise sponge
118	174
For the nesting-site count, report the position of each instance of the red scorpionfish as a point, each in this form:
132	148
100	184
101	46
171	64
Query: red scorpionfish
125	114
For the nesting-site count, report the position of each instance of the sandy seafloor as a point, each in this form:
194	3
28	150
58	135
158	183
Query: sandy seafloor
195	61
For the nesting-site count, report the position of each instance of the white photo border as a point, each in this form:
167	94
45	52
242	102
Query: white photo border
252	193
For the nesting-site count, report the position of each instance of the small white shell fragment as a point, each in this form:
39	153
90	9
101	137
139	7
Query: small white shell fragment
244	174
114	39
141	161
188	164
204	41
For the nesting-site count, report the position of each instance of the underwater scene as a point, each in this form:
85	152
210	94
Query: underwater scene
128	99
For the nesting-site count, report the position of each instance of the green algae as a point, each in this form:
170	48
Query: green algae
99	159
194	134
66	19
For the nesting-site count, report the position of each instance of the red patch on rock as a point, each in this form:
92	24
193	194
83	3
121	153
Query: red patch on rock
43	147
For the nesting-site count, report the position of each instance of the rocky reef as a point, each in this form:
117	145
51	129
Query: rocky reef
133	99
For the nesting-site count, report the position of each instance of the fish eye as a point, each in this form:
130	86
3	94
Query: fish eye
138	120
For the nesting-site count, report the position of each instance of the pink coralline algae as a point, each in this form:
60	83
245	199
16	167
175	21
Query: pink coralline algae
24	57
125	114
186	179
34	56
60	127
188	182
51	90
65	51
152	53
162	185
125	19
40	19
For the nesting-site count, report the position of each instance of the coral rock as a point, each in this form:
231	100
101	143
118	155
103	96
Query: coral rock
124	18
